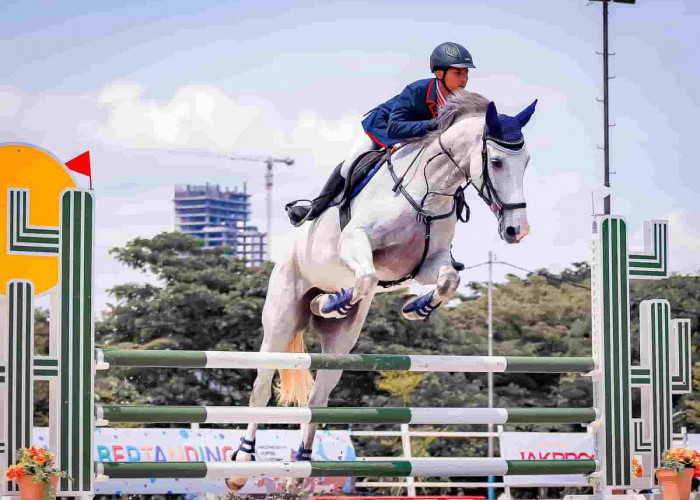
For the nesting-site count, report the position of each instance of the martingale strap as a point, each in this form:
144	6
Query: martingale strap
459	206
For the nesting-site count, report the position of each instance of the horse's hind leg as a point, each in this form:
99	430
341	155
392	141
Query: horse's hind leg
337	337
356	251
284	315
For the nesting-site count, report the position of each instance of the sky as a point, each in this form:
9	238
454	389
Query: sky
137	82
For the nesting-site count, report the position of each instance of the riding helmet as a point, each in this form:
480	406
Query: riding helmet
450	55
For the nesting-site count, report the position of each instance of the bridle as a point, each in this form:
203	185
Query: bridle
487	192
459	204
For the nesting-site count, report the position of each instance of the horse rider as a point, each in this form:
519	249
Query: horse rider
410	114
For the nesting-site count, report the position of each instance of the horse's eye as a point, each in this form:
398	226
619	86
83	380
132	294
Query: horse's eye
496	162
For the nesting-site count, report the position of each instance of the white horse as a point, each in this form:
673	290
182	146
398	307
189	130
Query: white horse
401	228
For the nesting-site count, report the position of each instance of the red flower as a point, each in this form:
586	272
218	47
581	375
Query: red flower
14	472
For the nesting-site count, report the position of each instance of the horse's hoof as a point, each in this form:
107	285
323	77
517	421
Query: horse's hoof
333	306
235	483
294	486
415	308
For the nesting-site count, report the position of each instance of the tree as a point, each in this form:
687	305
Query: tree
205	300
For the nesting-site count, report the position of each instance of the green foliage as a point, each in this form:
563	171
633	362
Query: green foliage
207	301
41	347
400	384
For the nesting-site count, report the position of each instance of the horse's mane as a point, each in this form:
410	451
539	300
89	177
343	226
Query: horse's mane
457	105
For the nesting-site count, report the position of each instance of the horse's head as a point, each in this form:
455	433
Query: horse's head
489	150
503	161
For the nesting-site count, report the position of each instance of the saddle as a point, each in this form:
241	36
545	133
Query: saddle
358	176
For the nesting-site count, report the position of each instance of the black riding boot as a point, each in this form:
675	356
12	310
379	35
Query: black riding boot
298	214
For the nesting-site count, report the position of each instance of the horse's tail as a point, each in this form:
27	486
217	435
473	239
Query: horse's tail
295	385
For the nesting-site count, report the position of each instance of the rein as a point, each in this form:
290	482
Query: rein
459	204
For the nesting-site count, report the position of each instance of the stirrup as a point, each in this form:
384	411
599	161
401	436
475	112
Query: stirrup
458	266
292	204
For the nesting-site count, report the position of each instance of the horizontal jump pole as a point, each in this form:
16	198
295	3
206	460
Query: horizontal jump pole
247	415
353	362
434	467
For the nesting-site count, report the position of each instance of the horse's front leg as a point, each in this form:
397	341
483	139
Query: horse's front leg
437	270
355	250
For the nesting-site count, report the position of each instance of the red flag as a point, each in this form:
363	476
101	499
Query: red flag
81	164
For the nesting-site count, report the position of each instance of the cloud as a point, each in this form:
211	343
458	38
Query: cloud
329	141
684	237
196	116
202	117
130	134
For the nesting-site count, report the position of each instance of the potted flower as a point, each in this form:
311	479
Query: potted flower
676	471
637	469
35	473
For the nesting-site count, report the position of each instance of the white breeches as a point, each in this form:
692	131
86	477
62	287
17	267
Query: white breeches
362	145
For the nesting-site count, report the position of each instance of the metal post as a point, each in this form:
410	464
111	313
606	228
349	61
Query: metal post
491	491
407	453
606	124
268	199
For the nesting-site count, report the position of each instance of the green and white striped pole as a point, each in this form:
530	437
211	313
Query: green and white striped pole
348	362
664	370
17	410
417	416
433	467
611	350
76	345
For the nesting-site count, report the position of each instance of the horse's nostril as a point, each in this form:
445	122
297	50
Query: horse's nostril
511	232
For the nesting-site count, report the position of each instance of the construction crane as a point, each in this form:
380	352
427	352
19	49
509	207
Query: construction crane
269	161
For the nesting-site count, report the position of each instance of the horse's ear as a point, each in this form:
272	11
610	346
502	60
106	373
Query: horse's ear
524	116
492	117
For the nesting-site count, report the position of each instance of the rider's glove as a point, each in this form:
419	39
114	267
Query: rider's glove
432	124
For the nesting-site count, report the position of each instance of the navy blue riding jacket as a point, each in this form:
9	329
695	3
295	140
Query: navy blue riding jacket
405	115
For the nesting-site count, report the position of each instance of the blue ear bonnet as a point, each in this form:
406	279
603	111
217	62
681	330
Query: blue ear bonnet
507	130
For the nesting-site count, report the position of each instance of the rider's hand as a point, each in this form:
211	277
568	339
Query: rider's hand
432	124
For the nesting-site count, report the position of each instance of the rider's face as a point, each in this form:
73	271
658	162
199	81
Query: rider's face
455	78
